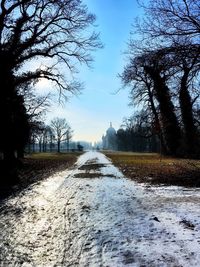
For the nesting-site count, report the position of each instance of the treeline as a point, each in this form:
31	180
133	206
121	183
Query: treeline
45	138
136	137
55	137
163	73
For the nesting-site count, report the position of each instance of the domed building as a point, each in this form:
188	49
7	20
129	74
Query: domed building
109	141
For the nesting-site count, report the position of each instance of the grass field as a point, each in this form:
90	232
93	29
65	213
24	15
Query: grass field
154	169
40	165
53	156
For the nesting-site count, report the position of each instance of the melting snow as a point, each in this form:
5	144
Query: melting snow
72	219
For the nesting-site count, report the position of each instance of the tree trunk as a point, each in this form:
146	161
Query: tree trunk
170	128
9	170
40	146
51	143
190	130
58	146
8	132
157	122
33	146
14	122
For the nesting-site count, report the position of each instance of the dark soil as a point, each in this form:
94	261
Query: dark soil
38	167
88	167
92	175
170	175
88	175
151	169
92	170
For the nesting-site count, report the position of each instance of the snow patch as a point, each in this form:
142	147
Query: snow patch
106	221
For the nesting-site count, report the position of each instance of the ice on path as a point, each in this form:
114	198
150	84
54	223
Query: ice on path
72	219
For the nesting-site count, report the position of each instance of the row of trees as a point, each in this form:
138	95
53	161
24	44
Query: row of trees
163	73
44	136
134	135
45	34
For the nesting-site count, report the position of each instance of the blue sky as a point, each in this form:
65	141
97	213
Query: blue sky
91	112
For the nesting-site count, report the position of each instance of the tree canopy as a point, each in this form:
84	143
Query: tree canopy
32	30
52	36
163	72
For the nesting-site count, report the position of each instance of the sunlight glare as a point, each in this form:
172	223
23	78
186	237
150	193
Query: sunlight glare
43	86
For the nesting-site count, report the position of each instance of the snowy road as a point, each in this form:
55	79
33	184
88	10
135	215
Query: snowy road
92	216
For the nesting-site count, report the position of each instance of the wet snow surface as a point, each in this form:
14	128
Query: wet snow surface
91	216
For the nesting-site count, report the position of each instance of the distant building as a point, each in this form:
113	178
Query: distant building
109	140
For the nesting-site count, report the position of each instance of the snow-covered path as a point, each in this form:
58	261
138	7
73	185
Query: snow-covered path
92	216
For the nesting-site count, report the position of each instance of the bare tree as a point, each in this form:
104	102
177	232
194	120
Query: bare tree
163	68
44	29
38	135
150	73
172	18
136	134
34	31
36	105
60	129
188	66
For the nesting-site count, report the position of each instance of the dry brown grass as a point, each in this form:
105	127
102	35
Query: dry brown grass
153	169
39	166
36	167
